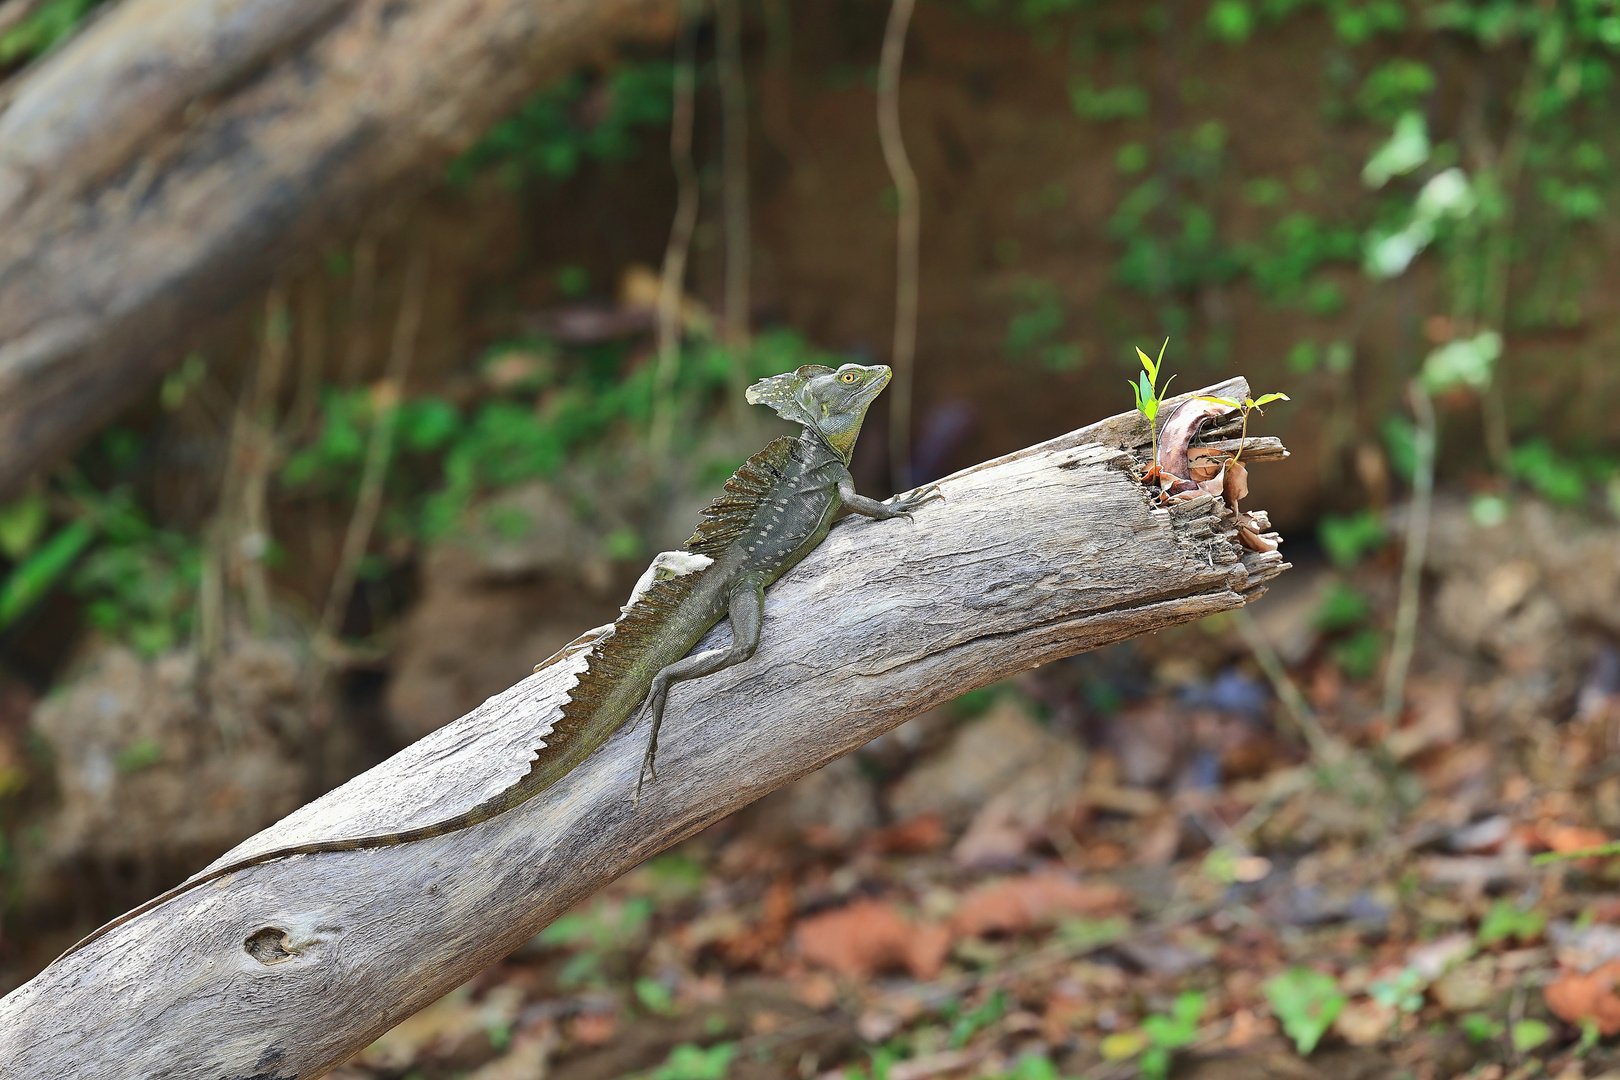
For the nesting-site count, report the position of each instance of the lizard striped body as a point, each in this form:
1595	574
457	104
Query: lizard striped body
775	509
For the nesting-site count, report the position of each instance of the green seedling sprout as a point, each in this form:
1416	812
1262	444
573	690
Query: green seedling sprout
1149	394
1244	407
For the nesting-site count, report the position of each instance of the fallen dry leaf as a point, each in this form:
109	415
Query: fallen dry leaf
1175	438
925	832
1576	998
1016	904
1365	1022
870	936
592	1028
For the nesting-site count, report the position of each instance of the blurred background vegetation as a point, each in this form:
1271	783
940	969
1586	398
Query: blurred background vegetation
445	444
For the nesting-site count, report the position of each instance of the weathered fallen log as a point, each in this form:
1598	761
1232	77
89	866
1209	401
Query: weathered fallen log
288	968
162	165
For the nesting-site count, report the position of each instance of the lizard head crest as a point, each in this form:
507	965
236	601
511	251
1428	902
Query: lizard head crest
830	401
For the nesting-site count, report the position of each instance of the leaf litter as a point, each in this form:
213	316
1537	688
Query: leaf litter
1194	892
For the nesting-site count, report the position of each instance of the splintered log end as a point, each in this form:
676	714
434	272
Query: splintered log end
288	968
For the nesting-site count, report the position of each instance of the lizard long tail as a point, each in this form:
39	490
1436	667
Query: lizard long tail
489	808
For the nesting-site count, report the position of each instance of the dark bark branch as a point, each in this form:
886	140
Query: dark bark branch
158	168
288	968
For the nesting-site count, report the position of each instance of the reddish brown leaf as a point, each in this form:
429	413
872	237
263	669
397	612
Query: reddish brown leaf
868	937
1574	997
1017	904
925	832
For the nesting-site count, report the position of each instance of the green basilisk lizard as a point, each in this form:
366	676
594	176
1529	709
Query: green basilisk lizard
775	509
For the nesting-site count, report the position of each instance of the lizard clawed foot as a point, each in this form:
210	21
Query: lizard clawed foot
904	505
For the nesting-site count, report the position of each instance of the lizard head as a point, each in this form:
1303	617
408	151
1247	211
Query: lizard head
832	402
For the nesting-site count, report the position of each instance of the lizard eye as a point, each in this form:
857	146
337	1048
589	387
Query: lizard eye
848	377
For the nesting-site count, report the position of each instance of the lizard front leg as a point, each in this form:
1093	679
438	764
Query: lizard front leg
746	610
897	506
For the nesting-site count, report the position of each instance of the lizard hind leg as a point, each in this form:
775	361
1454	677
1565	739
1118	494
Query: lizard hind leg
746	610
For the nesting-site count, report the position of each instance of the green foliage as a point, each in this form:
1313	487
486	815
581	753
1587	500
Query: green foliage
655	996
1465	362
1357	654
1296	248
1132	158
1167	1033
22	523
1231	21
1149	394
599	936
1182	258
1395	87
1035	331
1343	608
690	1062
1085	933
1400	443
139	755
1347	538
47	25
140	584
1245	407
968	1024
1528	1035
1506	920
1403	990
39	573
574	120
1307	1002
1551	475
1480	1027
1122	102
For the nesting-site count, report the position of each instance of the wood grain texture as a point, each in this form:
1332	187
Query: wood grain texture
169	160
288	968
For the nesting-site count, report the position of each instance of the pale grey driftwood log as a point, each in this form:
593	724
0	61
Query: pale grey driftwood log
288	968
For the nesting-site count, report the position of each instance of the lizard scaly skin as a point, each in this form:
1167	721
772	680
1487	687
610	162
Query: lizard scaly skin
774	511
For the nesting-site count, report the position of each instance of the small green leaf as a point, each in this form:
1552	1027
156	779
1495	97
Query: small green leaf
1529	1034
1307	1002
654	996
1228	402
21	525
1148	366
1151	409
1266	399
1507	920
30	580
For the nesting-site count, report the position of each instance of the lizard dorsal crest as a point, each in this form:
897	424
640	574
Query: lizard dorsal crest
785	394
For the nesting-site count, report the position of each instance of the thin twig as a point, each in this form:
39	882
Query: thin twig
362	295
1499	253
734	187
379	450
1417	543
672	283
910	224
1287	691
311	359
253	541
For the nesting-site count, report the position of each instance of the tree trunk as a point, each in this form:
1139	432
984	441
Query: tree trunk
156	169
290	967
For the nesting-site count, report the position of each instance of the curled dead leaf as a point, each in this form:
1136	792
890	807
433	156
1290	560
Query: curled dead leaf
1175	440
1254	541
869	937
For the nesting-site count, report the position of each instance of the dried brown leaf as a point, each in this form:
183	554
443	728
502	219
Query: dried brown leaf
1016	904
